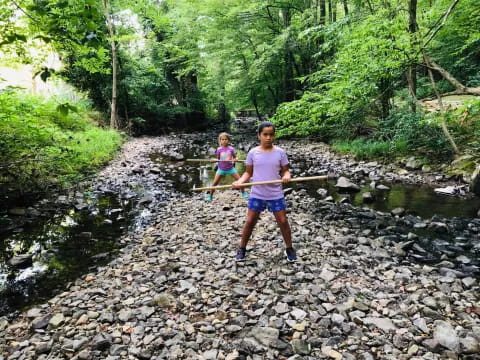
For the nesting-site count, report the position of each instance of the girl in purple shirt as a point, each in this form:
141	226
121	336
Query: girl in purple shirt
226	157
266	162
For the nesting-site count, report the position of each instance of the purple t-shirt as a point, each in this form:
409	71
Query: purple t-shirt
225	153
266	166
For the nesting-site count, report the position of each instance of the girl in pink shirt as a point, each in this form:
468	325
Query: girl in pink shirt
226	157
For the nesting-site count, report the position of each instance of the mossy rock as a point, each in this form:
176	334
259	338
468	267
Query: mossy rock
164	301
464	165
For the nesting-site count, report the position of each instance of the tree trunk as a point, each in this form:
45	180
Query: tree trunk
334	11
222	113
460	89
440	105
288	84
274	96
412	69
385	96
323	12
345	7
255	104
222	109
111	31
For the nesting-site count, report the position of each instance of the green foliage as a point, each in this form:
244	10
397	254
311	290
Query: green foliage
465	125
456	45
369	57
72	27
13	36
416	132
335	77
307	116
364	149
41	147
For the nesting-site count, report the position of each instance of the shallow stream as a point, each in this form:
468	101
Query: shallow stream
71	243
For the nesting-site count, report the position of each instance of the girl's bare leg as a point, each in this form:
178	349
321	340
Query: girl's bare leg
216	180
252	218
282	221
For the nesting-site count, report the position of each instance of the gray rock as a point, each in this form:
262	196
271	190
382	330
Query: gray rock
469	345
3	324
79	343
21	261
421	324
431	344
327	275
346	184
468	282
300	347
265	335
298	314
367	197
446	335
42	348
281	308
413	164
398	211
210	354
384	324
101	342
323	193
57	320
241	292
42	322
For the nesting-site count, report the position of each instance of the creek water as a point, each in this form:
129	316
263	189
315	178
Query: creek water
62	248
419	200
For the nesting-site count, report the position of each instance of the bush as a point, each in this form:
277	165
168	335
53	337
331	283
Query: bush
415	132
364	149
312	115
41	145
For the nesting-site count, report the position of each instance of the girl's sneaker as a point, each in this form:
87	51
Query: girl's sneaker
241	254
208	197
244	195
291	254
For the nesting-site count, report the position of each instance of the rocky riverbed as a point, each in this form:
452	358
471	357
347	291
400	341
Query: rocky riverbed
365	286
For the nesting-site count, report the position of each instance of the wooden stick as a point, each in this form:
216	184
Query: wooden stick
212	160
224	187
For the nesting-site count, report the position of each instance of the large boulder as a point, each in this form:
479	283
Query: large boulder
475	182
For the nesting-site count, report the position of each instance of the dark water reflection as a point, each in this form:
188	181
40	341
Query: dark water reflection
418	200
62	249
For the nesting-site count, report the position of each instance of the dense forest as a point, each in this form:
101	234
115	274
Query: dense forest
376	78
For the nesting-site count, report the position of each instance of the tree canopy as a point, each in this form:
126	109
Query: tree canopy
329	68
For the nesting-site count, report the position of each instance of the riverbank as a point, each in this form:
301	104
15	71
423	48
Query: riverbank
364	287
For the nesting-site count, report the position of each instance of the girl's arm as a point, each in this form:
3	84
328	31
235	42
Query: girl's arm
217	154
285	174
244	178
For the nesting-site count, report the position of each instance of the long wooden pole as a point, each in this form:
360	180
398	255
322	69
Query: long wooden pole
212	160
224	187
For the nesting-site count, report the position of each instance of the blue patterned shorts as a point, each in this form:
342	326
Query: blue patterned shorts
273	205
